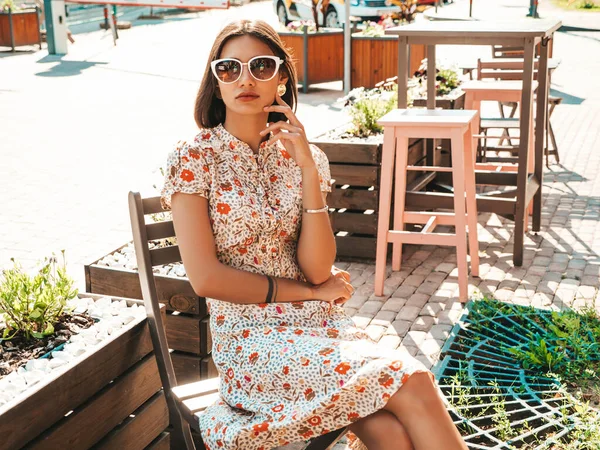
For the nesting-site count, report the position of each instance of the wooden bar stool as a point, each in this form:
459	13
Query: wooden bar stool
400	125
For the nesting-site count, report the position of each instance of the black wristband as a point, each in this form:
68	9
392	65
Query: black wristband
269	298
276	289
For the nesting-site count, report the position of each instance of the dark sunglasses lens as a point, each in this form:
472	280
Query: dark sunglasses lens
263	68
228	70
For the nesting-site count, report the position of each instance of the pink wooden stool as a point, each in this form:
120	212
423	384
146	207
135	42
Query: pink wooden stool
399	126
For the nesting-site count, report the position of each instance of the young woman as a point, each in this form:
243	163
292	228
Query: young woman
248	196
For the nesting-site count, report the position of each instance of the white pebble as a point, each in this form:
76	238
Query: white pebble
65	356
127	319
39	364
34	377
57	362
103	302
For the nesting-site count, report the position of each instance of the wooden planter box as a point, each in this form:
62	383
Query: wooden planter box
113	399
187	321
454	100
356	168
20	28
319	57
375	59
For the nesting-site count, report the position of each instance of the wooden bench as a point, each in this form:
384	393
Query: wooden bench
186	402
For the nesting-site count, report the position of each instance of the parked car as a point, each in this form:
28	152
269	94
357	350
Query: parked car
289	10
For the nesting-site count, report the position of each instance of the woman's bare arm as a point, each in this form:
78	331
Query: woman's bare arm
207	275
316	244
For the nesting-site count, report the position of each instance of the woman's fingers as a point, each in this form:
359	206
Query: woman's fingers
289	135
280	126
287	111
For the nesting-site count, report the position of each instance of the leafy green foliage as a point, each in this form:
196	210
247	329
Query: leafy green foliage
31	305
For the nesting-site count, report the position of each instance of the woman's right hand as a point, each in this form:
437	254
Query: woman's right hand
335	290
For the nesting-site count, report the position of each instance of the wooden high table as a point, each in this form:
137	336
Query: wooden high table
526	33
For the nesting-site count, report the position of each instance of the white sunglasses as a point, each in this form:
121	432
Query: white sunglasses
262	68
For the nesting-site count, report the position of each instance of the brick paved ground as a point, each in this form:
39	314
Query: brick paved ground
76	134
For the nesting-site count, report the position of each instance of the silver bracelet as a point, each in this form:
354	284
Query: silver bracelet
313	211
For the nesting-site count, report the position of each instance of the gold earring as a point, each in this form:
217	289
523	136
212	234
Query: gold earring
281	90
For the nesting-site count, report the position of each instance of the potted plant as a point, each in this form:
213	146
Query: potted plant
317	51
66	361
447	84
19	25
375	55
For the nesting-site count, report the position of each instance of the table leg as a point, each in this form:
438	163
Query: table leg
385	204
524	127
402	72
540	130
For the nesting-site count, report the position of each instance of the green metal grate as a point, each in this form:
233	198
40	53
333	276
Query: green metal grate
494	400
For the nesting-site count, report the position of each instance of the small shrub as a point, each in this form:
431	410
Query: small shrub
31	305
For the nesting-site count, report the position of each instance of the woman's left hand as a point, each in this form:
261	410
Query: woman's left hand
291	134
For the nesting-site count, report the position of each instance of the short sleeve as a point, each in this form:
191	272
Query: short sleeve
187	170
322	167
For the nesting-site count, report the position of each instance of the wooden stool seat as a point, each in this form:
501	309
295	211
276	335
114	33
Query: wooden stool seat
400	125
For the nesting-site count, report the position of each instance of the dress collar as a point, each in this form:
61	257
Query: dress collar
238	145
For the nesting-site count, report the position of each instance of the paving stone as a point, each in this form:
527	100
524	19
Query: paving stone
399	327
370	308
404	291
423	323
356	302
409	313
384	318
412	349
414	338
432	309
418	300
394	304
449	317
414	280
440	331
543	261
445	268
428	288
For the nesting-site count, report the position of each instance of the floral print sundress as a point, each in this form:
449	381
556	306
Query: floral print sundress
289	371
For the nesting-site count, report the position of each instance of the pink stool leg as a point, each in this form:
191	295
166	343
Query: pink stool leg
471	201
385	204
458	181
399	197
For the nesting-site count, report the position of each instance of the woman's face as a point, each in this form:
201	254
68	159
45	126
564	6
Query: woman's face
247	95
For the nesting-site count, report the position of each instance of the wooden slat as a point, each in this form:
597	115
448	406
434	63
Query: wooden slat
176	293
355	223
189	334
148	422
151	205
338	151
48	403
355	175
429	200
354	199
162	442
165	255
190	368
356	247
160	230
199	388
92	421
408	237
325	65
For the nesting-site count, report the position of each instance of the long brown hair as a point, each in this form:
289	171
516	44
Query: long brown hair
209	111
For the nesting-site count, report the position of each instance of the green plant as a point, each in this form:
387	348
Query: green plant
7	5
31	305
446	79
367	106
